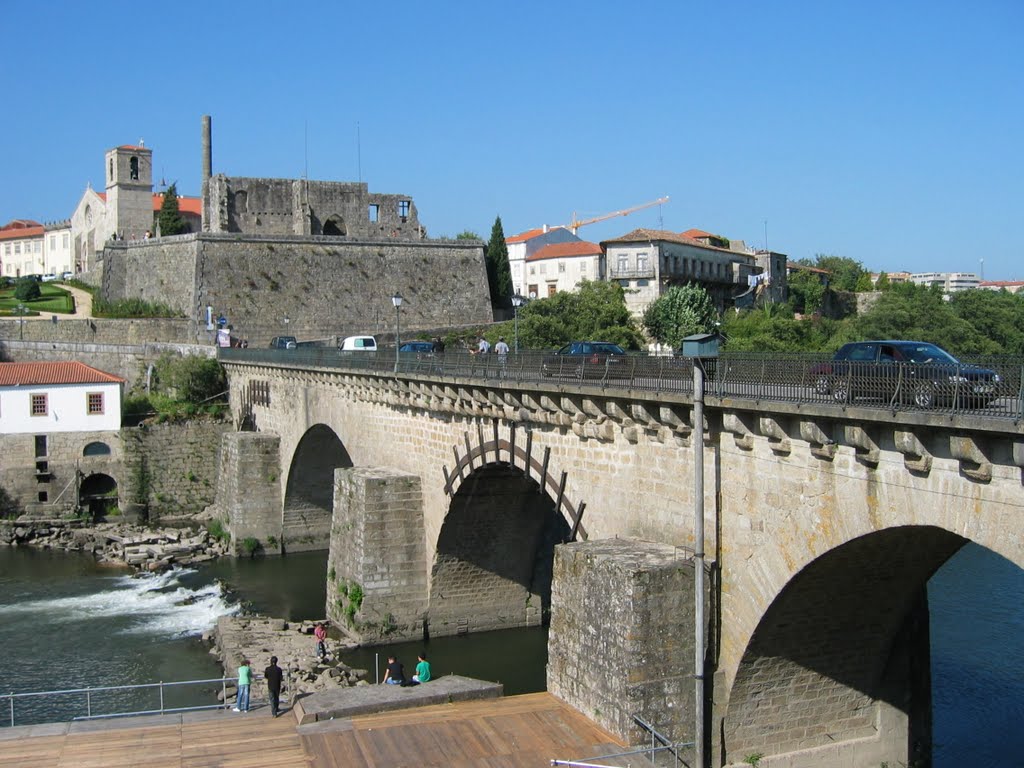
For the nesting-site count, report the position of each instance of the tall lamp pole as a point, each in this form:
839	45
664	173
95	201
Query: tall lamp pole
21	322
517	301
397	301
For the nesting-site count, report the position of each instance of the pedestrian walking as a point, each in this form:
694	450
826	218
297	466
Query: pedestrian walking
320	633
273	676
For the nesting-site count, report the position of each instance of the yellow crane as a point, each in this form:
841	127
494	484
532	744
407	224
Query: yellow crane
576	224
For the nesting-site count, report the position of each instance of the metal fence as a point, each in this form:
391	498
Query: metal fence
112	701
989	387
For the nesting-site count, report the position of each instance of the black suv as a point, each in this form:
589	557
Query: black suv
905	371
584	360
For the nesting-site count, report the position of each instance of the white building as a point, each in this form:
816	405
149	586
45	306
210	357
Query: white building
647	262
1010	286
949	282
46	398
525	244
21	241
562	267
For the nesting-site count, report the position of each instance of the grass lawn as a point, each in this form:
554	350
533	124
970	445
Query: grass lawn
54	299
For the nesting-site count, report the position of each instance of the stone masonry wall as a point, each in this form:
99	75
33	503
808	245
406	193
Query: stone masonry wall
171	470
324	286
377	569
121	331
127	361
622	635
248	496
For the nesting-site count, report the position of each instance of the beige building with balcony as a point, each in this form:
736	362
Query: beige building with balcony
561	267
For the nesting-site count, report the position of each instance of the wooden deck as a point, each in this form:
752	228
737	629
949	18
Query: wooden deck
512	732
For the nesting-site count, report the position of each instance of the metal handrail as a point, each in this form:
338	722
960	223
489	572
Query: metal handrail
664	745
161	686
801	379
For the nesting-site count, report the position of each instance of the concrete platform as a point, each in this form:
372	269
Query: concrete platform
370	699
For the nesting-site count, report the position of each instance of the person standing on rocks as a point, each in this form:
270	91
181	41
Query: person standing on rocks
244	681
320	633
273	676
395	674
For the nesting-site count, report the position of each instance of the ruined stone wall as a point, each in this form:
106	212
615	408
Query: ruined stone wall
311	288
171	470
134	331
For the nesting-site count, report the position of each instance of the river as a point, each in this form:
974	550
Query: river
65	622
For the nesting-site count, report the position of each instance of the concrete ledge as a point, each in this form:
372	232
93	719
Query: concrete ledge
370	699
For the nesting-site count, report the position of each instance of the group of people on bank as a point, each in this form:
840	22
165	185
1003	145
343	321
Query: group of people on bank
274	675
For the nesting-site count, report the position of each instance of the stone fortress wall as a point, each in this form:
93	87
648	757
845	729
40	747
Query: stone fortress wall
309	287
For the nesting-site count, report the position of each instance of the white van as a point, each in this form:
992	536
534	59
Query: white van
359	344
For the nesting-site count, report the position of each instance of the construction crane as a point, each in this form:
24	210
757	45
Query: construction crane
576	224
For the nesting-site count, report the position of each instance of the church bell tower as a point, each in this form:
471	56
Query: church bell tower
129	172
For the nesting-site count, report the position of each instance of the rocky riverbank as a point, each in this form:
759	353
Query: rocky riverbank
118	544
257	638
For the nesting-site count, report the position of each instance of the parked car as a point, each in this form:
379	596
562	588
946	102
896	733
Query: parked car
584	360
419	347
908	371
67	275
359	344
283	342
48	278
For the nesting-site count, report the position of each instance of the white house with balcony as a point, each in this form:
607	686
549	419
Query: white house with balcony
647	262
45	398
562	267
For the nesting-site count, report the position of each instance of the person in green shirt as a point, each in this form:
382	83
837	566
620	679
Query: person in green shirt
244	680
422	669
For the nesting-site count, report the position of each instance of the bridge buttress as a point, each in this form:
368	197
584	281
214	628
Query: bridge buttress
248	489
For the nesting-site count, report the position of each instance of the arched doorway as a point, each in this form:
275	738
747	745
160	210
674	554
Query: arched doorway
492	568
309	493
335	226
841	655
97	495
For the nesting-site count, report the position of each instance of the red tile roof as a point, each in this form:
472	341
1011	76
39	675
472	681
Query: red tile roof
22	232
1000	283
792	265
192	205
32	374
20	224
696	234
129	146
522	237
562	250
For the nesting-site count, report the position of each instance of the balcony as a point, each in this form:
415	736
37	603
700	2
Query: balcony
632	273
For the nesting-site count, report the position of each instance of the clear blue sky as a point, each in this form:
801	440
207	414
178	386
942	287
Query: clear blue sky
889	132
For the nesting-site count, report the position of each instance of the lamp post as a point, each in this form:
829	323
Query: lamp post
21	322
517	301
397	301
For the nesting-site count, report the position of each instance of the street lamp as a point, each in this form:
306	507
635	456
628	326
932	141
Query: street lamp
518	300
21	322
397	301
699	347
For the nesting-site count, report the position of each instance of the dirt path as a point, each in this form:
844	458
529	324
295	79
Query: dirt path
83	306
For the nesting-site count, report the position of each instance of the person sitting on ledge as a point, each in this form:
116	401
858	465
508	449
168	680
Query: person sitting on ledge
396	672
422	669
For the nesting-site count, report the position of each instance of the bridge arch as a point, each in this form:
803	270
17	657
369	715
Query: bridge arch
841	654
309	491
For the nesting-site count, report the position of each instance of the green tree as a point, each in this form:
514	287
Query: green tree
806	292
679	312
170	219
191	379
883	283
468	234
596	311
845	272
499	274
998	316
26	289
864	283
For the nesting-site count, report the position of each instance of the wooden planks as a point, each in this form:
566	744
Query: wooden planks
513	732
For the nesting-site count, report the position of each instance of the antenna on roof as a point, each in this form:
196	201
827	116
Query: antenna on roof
305	149
359	154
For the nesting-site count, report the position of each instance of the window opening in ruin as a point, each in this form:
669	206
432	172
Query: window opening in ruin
111	169
44	496
134	168
403	210
374	212
40	445
42	467
335	227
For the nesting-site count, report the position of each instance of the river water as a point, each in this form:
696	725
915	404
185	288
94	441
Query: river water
67	623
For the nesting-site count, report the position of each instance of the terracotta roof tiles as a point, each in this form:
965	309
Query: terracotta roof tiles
70	372
564	250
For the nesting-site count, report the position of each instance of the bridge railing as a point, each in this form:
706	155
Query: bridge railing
990	387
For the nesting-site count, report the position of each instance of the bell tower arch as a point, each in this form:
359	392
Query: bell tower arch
129	175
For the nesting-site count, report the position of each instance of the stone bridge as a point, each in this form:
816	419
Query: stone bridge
443	501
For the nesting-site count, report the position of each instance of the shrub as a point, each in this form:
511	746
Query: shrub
216	529
251	545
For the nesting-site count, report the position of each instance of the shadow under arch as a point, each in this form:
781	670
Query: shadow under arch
842	652
493	563
97	493
309	492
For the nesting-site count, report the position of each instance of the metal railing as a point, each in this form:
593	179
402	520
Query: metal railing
94	703
660	747
987	387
